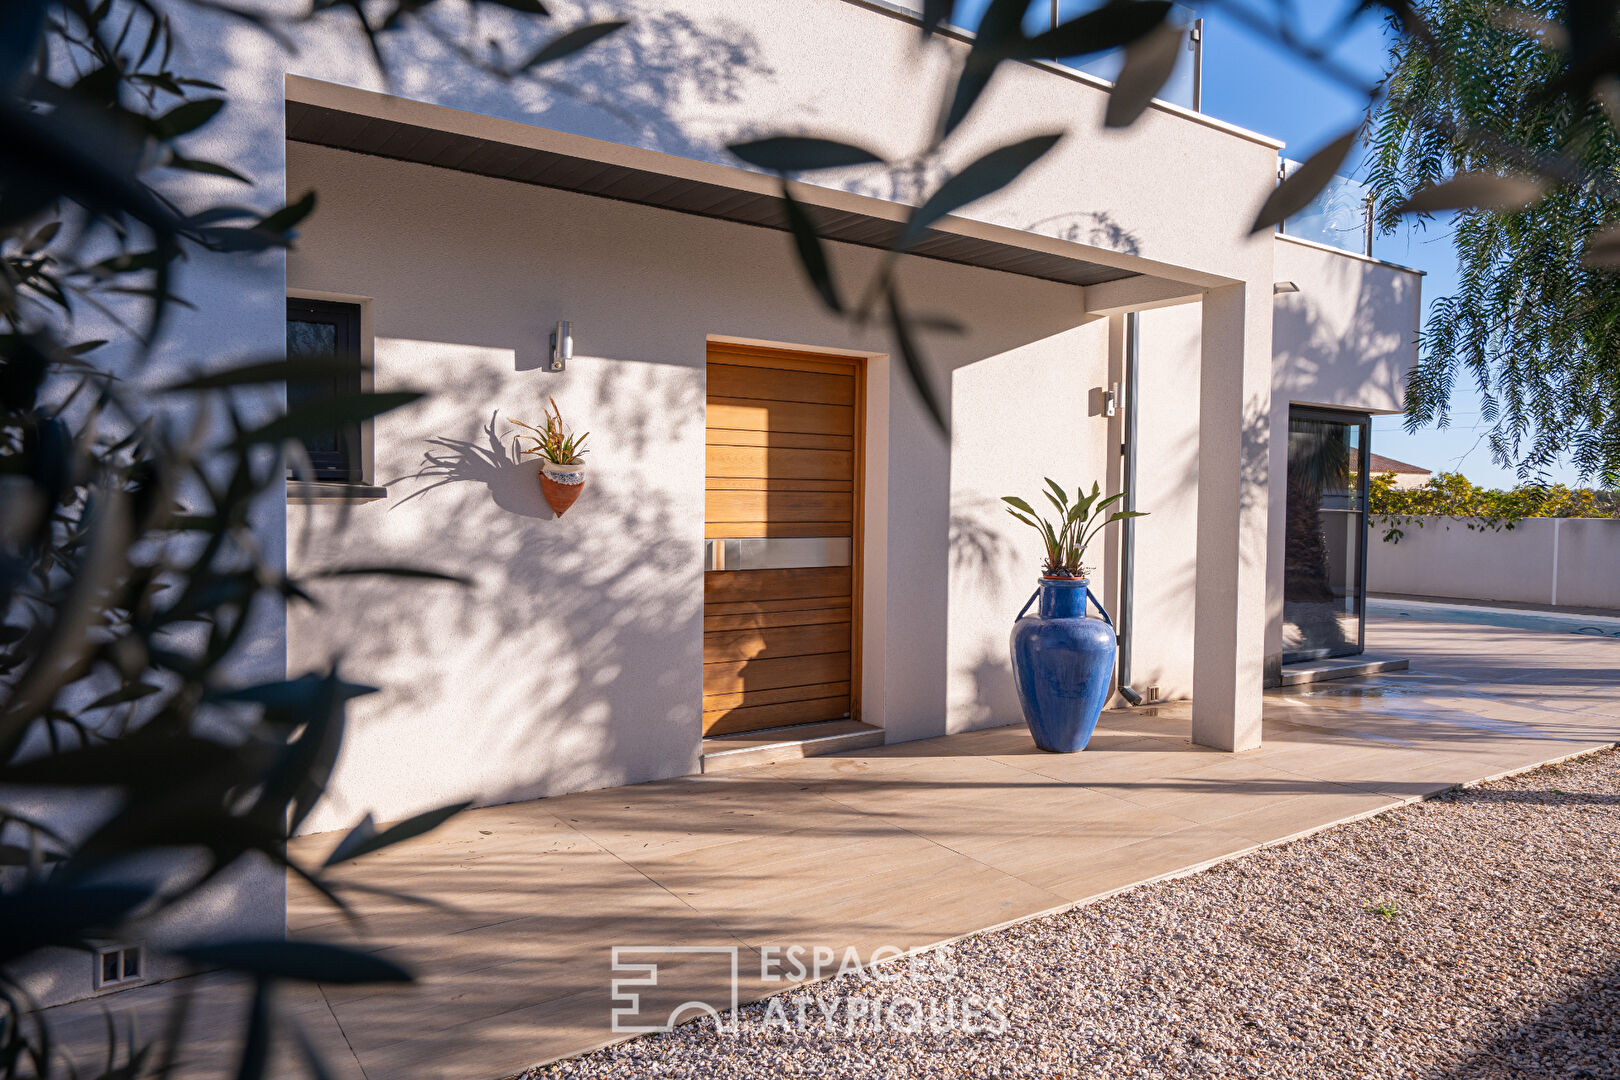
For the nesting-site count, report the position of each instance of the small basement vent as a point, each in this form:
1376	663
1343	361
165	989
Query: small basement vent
119	965
1152	693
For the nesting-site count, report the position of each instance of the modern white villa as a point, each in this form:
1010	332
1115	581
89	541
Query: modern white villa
774	533
1119	319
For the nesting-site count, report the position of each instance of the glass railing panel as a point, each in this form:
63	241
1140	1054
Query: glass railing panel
1336	217
1178	91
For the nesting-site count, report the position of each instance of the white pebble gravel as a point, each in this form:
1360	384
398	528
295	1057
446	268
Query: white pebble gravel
1471	936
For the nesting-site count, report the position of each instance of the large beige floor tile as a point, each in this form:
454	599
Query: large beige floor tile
723	878
1305	813
1184	849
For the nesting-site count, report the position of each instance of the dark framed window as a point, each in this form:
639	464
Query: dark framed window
1325	558
328	333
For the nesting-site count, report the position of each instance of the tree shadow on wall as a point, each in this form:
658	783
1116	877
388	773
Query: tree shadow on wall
575	662
512	483
636	80
977	547
1096	228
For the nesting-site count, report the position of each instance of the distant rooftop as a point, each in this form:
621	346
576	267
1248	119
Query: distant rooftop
1382	464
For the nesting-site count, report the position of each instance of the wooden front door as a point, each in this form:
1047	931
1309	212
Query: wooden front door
782	529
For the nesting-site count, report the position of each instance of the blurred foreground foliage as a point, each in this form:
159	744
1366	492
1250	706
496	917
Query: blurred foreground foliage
148	758
135	581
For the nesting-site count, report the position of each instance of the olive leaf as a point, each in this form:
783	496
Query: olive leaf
1149	63
1603	248
305	961
573	41
935	14
21	24
799	153
812	254
1110	26
184	119
1474	191
324	414
1296	192
916	369
365	837
527	7
290	369
1000	36
984	176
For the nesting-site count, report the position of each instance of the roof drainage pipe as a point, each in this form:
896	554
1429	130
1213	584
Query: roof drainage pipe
1127	545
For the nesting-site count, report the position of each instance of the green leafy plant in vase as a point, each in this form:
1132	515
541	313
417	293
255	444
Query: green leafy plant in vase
562	458
1062	659
1077	523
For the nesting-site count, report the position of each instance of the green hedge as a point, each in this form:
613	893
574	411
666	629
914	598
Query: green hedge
1452	495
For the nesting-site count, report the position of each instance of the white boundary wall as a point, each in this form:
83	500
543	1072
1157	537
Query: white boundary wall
1574	562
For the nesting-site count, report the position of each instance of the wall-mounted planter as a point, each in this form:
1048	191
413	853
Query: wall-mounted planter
561	484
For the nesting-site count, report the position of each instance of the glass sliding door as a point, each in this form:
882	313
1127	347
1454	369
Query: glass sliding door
1325	564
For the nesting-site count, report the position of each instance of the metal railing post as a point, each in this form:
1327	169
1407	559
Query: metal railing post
1195	42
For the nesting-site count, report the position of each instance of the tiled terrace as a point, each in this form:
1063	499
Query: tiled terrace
903	846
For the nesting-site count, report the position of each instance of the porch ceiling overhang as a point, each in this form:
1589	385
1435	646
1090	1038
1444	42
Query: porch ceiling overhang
369	123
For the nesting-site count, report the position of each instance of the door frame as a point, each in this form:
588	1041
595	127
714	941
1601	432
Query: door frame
1362	420
784	356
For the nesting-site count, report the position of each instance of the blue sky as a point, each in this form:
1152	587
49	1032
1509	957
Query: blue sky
1255	84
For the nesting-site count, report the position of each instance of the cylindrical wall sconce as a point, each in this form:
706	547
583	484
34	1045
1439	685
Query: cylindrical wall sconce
562	346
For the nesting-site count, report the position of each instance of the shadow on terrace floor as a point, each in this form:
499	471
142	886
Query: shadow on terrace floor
901	846
904	845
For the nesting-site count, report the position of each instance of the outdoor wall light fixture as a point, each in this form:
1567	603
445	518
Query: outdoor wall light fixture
562	346
1280	287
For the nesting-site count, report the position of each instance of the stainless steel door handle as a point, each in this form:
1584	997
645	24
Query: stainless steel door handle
777	552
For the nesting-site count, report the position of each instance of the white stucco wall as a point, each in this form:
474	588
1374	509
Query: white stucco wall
1347	338
1167	488
1016	419
693	77
1344	340
1572	562
575	661
687	77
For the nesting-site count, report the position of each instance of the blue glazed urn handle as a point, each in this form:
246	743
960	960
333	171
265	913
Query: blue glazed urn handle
1025	609
1093	598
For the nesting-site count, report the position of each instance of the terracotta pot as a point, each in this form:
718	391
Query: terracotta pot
561	485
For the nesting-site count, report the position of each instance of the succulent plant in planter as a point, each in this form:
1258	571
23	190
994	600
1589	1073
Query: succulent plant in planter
561	454
1076	525
1062	659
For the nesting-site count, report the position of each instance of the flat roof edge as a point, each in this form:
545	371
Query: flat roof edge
960	239
1319	246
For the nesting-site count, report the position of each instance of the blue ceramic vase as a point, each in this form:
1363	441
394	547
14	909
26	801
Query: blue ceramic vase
1063	665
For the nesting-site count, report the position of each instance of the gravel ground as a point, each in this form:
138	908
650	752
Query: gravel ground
1469	936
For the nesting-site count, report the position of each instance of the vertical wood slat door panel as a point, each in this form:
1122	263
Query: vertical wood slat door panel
784	460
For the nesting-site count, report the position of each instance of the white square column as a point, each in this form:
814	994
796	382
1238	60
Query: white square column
1234	436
